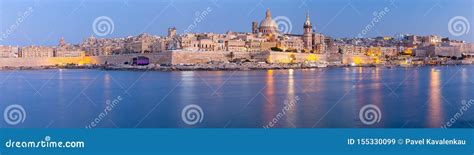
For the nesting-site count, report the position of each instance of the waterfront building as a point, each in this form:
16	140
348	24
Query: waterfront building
389	51
448	42
236	46
160	45
266	46
438	51
37	52
90	46
100	47
206	44
468	52
412	40
319	44
9	51
254	46
140	44
293	43
187	42
68	50
329	41
431	40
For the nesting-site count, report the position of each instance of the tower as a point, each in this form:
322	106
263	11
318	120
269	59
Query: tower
308	34
172	32
62	43
255	27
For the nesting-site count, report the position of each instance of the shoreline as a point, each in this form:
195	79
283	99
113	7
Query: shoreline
213	67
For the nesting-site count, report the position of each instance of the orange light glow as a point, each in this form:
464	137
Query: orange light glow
312	58
357	60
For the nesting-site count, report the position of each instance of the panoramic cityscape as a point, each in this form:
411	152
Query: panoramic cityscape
269	45
274	70
265	77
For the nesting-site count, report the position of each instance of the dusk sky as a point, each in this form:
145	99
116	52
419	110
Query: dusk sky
50	20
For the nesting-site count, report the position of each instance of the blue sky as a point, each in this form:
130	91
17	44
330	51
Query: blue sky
72	19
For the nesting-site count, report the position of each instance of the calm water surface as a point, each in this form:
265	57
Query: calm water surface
425	97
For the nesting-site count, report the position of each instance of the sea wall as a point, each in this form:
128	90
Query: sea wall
156	58
169	57
198	57
189	57
359	60
286	57
35	62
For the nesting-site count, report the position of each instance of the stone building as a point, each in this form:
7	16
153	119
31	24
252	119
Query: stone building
236	46
293	43
140	44
9	51
67	50
102	47
37	52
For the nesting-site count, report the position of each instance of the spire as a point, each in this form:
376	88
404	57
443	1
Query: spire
62	42
307	15
308	21
308	28
268	15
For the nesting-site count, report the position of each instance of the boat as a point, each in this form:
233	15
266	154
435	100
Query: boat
322	65
406	65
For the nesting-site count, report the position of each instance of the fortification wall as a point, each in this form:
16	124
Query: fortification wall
156	58
169	57
286	57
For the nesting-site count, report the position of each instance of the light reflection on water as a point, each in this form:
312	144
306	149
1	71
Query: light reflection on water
434	103
407	97
269	108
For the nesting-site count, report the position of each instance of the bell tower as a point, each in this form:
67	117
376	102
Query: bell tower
308	33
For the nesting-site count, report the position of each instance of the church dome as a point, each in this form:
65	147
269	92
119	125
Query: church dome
268	25
268	21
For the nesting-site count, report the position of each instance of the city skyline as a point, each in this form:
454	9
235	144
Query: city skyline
328	20
185	76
